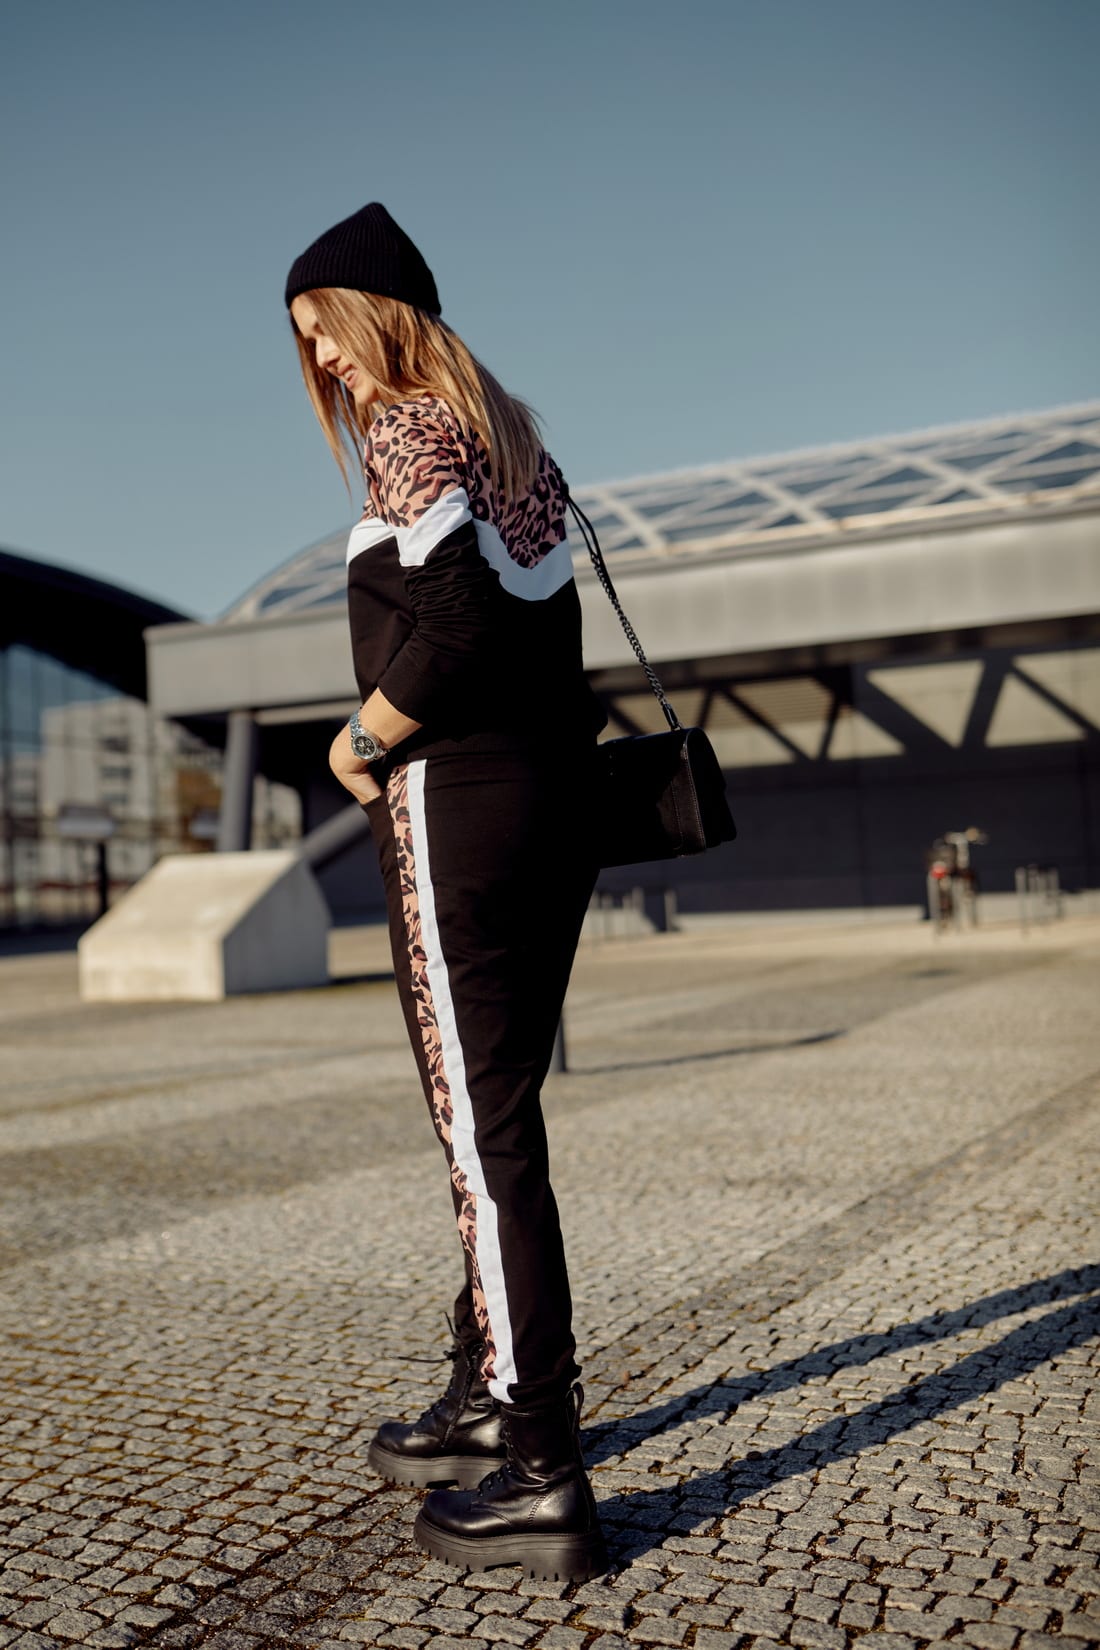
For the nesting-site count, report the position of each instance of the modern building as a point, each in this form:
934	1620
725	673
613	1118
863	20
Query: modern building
885	639
94	786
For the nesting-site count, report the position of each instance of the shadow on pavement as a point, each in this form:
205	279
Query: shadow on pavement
639	1520
710	1054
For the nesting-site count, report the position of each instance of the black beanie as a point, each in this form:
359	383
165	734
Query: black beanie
367	252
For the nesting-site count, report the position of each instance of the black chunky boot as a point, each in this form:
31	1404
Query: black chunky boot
537	1510
456	1441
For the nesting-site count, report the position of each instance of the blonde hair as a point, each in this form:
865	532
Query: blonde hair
409	352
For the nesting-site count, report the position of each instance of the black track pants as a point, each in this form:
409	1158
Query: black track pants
487	878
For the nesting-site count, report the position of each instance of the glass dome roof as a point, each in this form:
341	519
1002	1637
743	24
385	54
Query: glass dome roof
927	479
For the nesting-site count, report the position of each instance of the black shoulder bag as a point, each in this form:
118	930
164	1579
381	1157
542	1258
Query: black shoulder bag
660	795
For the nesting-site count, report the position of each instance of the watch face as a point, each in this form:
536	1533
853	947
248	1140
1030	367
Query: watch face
365	745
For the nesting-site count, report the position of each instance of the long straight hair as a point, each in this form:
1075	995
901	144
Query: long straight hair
409	352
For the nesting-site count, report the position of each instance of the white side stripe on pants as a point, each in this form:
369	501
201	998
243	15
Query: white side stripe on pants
463	1143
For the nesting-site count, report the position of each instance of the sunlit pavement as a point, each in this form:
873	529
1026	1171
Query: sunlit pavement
830	1200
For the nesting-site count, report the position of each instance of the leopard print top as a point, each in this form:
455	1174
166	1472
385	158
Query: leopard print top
463	607
419	450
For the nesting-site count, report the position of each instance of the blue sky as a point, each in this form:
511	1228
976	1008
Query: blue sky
683	232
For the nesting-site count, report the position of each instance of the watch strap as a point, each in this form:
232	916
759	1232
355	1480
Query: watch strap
361	734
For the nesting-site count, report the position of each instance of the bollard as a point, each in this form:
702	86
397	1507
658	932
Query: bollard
935	915
1023	897
103	880
557	1057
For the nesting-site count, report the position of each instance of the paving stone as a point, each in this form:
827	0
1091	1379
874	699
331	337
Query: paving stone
73	1624
850	1398
859	1617
33	1613
891	1641
992	1636
816	1635
403	1637
500	1629
659	1630
547	1610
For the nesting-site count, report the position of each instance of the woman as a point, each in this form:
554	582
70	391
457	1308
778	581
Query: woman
472	754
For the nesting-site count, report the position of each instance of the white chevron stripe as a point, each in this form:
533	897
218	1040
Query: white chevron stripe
416	543
531	584
371	530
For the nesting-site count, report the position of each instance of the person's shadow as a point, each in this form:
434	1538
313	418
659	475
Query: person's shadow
639	1519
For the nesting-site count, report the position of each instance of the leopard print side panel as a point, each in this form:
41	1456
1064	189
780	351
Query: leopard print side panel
439	1100
419	449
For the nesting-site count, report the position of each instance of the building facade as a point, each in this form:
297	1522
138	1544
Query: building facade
94	786
886	640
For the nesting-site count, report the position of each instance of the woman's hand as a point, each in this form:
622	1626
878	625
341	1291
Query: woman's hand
354	775
389	725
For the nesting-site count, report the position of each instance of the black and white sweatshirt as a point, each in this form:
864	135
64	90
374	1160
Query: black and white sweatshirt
463	607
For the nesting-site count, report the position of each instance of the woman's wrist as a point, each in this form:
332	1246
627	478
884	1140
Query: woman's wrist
384	726
365	743
385	721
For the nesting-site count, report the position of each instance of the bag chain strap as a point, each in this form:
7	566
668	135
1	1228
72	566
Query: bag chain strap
592	544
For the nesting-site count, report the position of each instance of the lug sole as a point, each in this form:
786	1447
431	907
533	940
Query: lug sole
425	1472
543	1557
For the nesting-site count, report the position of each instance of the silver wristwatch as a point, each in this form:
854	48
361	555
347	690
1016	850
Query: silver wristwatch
366	745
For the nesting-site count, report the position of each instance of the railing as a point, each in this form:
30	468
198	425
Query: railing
1038	895
629	913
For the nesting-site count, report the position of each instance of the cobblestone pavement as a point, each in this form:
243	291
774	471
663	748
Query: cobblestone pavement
830	1199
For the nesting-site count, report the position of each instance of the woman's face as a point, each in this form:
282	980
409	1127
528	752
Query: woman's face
330	357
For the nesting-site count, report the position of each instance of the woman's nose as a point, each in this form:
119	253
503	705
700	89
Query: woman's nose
326	352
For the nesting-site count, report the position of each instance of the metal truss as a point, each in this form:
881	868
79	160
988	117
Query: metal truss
938	710
939	477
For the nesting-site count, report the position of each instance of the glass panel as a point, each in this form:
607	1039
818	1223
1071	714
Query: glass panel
22	698
899	493
957	497
822	463
1043	483
898	478
741	501
53	682
78	741
997	436
656	509
282	593
813	484
1071	449
707	523
604	522
692	530
973	461
329	598
864	506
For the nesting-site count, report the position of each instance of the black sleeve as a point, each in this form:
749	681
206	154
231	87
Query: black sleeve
454	599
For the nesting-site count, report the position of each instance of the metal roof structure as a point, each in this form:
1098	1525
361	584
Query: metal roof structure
86	623
946	478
